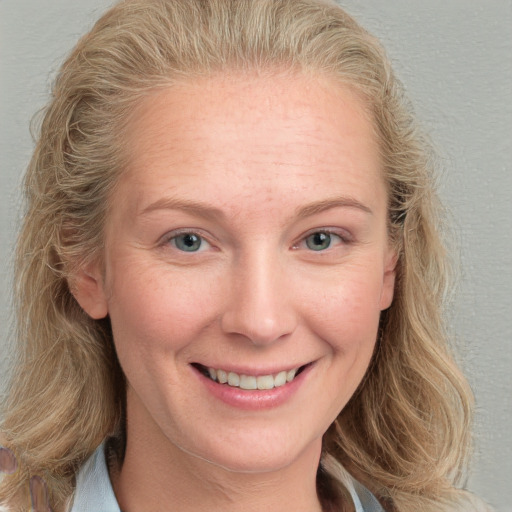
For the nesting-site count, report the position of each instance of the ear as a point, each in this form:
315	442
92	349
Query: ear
88	287
388	279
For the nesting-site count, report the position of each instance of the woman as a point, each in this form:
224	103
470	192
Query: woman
230	275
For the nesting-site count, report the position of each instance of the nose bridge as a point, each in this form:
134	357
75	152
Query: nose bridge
260	306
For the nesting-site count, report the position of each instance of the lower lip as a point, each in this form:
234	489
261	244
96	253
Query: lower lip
254	400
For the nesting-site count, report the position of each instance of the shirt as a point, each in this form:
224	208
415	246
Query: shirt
94	491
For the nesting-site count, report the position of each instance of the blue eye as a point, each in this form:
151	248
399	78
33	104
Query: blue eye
188	242
320	240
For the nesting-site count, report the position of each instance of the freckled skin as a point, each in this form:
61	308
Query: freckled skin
253	152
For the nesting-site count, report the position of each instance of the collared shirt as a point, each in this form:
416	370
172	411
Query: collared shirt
94	491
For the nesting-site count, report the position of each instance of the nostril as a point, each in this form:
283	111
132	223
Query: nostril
258	328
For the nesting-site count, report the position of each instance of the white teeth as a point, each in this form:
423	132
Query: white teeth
265	382
280	379
291	375
233	379
250	382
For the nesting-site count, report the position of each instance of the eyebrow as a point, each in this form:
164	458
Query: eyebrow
207	211
334	202
195	207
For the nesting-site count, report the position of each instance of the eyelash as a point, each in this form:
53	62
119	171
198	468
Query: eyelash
174	236
344	239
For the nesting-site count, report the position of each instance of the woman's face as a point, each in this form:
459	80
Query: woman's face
247	241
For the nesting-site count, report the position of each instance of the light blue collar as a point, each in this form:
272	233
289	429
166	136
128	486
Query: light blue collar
94	491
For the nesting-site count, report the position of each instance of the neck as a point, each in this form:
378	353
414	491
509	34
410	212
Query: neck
157	472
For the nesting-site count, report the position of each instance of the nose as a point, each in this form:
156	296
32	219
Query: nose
260	307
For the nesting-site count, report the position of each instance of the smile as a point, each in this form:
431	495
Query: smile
250	382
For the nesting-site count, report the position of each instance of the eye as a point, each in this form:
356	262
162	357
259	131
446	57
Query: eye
189	242
322	240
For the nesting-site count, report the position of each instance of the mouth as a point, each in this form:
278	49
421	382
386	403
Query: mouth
250	382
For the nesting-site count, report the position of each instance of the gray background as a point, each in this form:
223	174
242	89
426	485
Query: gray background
455	57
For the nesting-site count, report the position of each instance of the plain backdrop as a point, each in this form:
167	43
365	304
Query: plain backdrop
455	58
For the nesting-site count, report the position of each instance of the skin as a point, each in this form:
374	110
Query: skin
254	166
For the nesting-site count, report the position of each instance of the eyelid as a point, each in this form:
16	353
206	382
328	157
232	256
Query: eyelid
165	239
345	236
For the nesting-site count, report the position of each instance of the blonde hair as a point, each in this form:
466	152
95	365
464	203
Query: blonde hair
406	432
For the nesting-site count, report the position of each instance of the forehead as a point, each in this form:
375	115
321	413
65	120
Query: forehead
280	130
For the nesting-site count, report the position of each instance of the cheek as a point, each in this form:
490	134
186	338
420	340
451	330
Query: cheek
347	313
154	311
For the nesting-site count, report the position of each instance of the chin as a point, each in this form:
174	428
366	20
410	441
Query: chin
250	457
